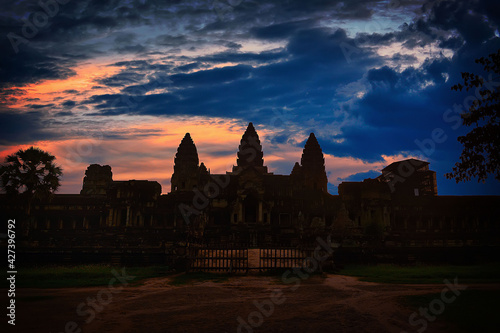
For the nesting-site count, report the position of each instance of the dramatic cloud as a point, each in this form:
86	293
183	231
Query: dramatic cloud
371	78
23	128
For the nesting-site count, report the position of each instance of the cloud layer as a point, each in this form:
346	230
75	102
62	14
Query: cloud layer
372	80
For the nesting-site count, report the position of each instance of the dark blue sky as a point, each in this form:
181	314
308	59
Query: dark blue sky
117	82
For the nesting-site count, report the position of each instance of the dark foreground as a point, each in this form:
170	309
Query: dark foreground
329	303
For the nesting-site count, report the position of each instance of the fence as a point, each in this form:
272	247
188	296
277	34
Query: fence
218	259
273	258
227	259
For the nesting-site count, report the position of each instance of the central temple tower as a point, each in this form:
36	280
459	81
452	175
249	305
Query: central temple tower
250	152
186	166
311	172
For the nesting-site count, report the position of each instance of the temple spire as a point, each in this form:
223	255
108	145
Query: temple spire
313	164
185	165
250	151
296	171
187	155
312	156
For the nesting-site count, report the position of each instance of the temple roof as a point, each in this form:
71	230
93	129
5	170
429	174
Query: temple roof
250	150
312	156
187	155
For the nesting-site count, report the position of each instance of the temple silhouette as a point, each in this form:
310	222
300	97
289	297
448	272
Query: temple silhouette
393	217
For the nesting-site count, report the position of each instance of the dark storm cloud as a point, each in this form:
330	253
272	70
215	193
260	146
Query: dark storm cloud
279	138
11	95
304	75
141	65
245	15
79	21
467	17
30	66
375	38
132	132
396	111
212	76
415	34
63	114
233	45
25	127
451	22
82	19
137	48
169	40
452	43
396	116
383	75
279	31
224	57
355	9
39	106
188	67
404	59
68	104
474	21
122	79
320	47
31	53
310	69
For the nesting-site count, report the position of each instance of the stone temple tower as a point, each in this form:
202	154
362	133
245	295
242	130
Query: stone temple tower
250	152
97	180
313	165
186	169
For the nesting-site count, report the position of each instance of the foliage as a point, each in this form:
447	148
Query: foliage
30	173
481	154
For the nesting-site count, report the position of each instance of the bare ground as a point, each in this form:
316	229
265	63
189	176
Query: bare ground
329	303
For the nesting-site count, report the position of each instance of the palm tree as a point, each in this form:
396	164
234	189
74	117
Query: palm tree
30	174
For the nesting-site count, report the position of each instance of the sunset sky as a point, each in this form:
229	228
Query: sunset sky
121	82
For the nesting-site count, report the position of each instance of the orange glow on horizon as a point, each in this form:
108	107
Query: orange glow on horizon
84	79
146	150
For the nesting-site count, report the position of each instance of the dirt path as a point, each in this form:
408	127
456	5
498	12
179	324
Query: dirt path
318	304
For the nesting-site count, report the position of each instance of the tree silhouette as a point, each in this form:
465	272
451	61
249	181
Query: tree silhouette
30	174
481	154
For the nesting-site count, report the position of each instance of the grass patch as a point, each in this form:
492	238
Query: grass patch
486	273
81	275
472	310
188	278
